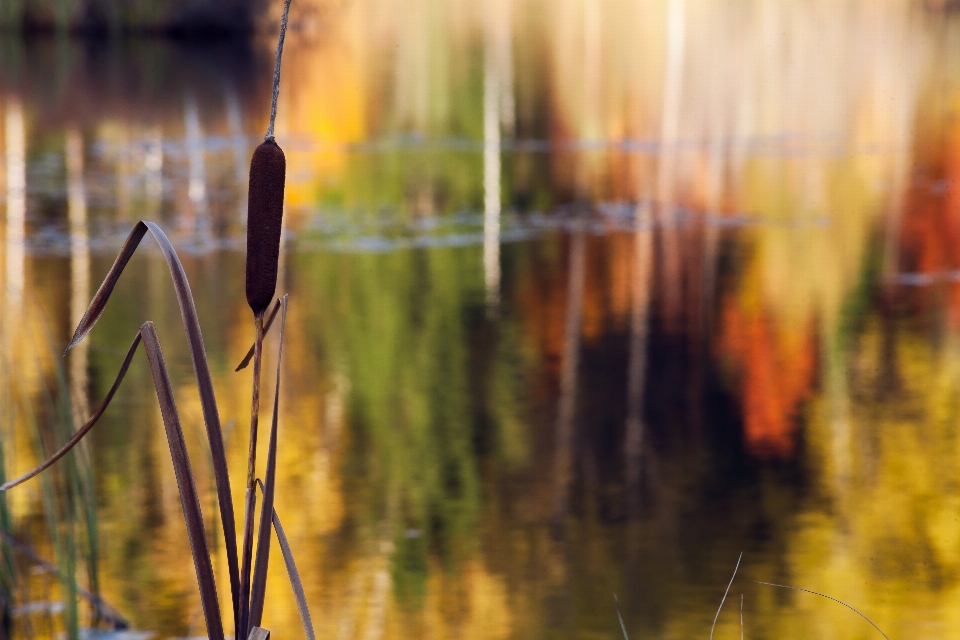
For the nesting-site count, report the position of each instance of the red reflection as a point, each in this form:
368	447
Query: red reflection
930	232
776	372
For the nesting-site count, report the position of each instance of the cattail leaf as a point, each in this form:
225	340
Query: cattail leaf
266	327
268	169
83	430
201	368
99	302
293	574
189	499
259	588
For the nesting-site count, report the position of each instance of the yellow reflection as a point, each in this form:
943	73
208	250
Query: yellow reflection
795	120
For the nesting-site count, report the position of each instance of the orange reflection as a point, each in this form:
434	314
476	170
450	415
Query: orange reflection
776	374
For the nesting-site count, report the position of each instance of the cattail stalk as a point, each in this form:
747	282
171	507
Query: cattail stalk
264	224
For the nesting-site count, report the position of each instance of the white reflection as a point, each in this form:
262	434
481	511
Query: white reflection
497	109
16	156
123	171
669	129
79	269
197	189
153	169
238	144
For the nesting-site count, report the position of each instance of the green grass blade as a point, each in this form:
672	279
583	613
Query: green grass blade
105	610
189	499
79	481
201	367
294	575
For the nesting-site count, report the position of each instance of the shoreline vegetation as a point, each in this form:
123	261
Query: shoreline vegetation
170	18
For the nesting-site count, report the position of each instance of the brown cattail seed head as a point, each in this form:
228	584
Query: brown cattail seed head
264	216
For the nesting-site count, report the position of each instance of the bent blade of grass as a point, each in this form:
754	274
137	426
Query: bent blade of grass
266	327
295	582
189	499
623	627
181	463
82	431
823	595
208	401
722	600
259	589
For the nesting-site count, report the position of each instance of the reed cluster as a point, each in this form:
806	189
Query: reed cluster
248	570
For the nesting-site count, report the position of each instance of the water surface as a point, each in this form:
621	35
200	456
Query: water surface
585	298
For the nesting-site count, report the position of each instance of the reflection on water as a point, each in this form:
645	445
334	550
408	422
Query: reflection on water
586	298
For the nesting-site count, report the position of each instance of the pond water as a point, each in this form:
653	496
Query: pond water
586	298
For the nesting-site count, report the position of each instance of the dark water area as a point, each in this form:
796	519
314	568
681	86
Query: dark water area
585	299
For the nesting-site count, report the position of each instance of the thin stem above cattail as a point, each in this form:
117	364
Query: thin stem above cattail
276	70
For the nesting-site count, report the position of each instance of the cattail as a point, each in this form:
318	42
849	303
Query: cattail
268	170
264	218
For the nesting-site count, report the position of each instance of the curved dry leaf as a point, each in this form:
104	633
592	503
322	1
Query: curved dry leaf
208	402
85	429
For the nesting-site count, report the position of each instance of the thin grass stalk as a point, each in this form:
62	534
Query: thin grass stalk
623	627
104	609
741	616
823	595
259	586
8	572
724	598
82	431
70	505
68	587
57	516
293	574
276	69
80	479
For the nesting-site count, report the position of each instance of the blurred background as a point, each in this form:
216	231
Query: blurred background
586	297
